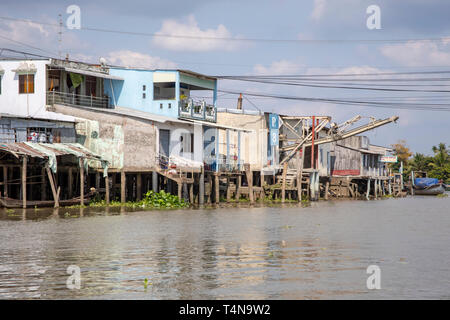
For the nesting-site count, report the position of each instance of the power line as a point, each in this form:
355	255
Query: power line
240	39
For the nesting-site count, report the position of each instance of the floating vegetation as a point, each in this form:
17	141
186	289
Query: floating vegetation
442	195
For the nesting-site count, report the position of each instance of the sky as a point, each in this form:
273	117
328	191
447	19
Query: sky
275	19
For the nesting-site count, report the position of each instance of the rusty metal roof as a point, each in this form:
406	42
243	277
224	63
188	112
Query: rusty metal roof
58	149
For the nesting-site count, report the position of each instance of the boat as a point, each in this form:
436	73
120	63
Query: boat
428	186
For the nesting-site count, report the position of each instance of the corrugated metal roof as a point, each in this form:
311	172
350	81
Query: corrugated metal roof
59	149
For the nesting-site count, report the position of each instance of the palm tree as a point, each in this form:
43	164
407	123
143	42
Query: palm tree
420	162
441	155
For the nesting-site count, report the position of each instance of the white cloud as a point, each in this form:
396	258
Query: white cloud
318	9
189	27
414	53
277	68
139	60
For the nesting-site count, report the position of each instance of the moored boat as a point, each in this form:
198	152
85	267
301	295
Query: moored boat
428	186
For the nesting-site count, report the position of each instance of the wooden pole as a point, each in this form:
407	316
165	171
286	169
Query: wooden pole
313	162
180	188
191	193
43	185
217	188
139	187
368	189
228	189
123	181
5	181
107	189
81	181
327	187
249	175
299	176
201	191
97	180
24	182
70	183
52	185
283	187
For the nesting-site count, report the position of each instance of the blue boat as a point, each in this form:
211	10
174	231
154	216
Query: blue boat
428	186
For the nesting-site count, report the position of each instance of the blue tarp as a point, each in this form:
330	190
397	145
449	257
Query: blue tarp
425	182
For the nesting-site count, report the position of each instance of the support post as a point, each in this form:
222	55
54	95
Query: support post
155	181
313	162
368	189
81	181
70	181
180	189
43	185
107	189
238	186
249	175
52	185
201	192
139	186
299	177
191	193
5	181
123	181
327	187
24	182
216	187
283	186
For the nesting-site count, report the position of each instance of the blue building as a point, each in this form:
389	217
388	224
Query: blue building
170	93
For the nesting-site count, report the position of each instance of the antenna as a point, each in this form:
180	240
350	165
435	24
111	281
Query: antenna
60	35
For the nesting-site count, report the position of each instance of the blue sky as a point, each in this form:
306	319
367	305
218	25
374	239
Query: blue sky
282	19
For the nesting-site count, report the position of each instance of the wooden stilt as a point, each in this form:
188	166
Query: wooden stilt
201	195
107	189
5	181
327	187
217	187
283	186
52	185
70	182
123	181
228	189
191	193
139	187
249	175
180	189
43	185
299	176
81	181
368	189
24	182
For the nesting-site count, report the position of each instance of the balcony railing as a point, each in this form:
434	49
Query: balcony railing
191	109
54	97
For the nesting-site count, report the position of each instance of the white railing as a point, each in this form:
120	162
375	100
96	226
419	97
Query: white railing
54	97
189	108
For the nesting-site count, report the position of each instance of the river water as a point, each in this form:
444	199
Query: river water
317	252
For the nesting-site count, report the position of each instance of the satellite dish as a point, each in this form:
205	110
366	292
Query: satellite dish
102	61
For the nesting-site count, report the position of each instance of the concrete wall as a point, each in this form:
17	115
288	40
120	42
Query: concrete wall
26	104
124	141
253	144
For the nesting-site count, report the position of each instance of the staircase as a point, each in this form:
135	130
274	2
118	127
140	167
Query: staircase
172	171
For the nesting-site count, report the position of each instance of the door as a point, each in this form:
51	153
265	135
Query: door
164	142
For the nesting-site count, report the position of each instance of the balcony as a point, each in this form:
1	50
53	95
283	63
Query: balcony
199	110
54	97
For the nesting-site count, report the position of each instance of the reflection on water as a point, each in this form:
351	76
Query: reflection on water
315	252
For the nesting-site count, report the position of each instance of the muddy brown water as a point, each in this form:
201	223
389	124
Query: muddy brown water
316	252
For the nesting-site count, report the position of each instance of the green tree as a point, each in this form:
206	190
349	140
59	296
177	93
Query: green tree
440	164
402	152
420	162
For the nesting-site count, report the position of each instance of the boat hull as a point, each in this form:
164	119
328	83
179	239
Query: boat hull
431	190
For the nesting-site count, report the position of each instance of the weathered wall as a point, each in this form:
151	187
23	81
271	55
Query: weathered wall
253	144
126	142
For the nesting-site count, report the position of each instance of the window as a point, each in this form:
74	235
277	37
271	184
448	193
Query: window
143	95
91	86
143	87
170	105
164	91
26	83
160	105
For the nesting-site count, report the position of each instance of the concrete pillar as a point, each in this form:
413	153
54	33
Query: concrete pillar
155	181
139	187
